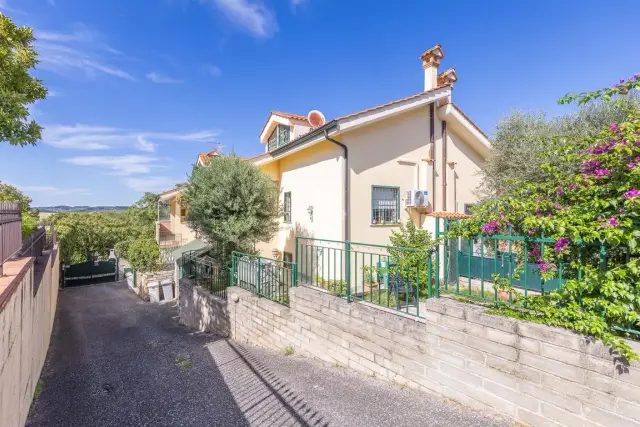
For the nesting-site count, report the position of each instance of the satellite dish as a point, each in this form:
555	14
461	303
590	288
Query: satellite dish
316	118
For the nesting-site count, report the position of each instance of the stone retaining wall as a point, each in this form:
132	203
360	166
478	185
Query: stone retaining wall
536	374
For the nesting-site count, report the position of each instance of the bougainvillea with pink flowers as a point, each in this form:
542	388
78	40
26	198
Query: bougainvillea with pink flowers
584	209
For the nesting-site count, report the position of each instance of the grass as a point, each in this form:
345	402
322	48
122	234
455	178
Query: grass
289	351
183	363
36	394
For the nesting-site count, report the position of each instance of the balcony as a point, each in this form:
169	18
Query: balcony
166	237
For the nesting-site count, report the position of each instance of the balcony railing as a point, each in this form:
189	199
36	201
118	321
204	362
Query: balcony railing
171	239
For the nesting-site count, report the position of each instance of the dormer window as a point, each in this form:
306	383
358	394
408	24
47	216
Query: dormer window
279	137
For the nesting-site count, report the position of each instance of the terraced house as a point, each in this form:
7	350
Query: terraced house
358	176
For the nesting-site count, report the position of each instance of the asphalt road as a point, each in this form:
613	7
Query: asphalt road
115	360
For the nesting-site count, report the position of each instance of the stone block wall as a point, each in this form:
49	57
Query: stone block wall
142	280
536	374
202	311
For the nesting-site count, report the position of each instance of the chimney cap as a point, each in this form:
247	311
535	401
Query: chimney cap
435	54
448	77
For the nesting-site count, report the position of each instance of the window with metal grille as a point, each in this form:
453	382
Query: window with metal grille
287	207
279	137
385	205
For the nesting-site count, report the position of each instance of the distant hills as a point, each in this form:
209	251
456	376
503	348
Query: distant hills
65	208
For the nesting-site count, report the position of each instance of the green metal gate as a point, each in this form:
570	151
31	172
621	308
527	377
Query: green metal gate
90	272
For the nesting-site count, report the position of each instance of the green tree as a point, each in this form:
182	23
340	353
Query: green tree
594	203
232	203
524	141
18	89
144	255
10	194
83	234
143	214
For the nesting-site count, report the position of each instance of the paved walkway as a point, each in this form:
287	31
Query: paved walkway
117	361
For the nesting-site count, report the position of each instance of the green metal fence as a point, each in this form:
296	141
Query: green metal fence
474	268
265	277
387	276
206	272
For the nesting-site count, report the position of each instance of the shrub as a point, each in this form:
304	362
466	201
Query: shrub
144	255
594	204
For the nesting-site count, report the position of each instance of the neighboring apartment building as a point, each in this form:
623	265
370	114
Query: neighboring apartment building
355	177
174	231
350	178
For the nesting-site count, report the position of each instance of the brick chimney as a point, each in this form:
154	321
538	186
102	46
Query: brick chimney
430	62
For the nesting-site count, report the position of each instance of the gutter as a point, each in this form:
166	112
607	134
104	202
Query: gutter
347	189
304	138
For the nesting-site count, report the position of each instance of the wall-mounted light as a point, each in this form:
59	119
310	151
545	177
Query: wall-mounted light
310	212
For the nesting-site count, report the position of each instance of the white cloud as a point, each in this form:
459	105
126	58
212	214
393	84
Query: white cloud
150	183
161	78
118	165
56	191
88	137
146	145
214	70
253	16
82	50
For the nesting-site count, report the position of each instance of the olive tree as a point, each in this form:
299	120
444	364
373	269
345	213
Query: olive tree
233	203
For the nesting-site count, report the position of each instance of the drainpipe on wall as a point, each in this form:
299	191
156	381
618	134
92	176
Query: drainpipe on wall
346	183
432	131
444	165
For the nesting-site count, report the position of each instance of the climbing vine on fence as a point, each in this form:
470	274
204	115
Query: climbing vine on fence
595	206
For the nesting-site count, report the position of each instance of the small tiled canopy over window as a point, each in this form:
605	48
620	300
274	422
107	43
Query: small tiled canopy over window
279	137
287	207
385	205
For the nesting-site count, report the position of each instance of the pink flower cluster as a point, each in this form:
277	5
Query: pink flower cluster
561	245
609	222
546	266
631	193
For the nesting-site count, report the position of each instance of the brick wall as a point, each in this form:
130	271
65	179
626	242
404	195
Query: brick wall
534	373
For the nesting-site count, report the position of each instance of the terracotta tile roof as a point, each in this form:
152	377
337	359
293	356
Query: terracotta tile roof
290	116
282	114
449	215
430	51
203	157
177	187
417	95
470	121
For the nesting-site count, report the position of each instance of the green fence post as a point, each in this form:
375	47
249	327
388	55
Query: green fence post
437	258
135	281
348	268
259	276
232	277
295	263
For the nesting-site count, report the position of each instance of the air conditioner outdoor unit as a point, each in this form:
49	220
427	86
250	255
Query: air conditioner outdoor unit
416	198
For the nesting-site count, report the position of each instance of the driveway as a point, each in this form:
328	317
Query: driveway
115	360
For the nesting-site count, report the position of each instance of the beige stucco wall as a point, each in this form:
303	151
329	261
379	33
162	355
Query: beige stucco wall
462	178
388	153
178	227
26	321
392	152
314	178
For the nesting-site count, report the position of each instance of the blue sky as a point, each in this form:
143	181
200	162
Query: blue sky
138	88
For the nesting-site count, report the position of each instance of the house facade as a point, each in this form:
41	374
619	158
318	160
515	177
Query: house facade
358	177
355	177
